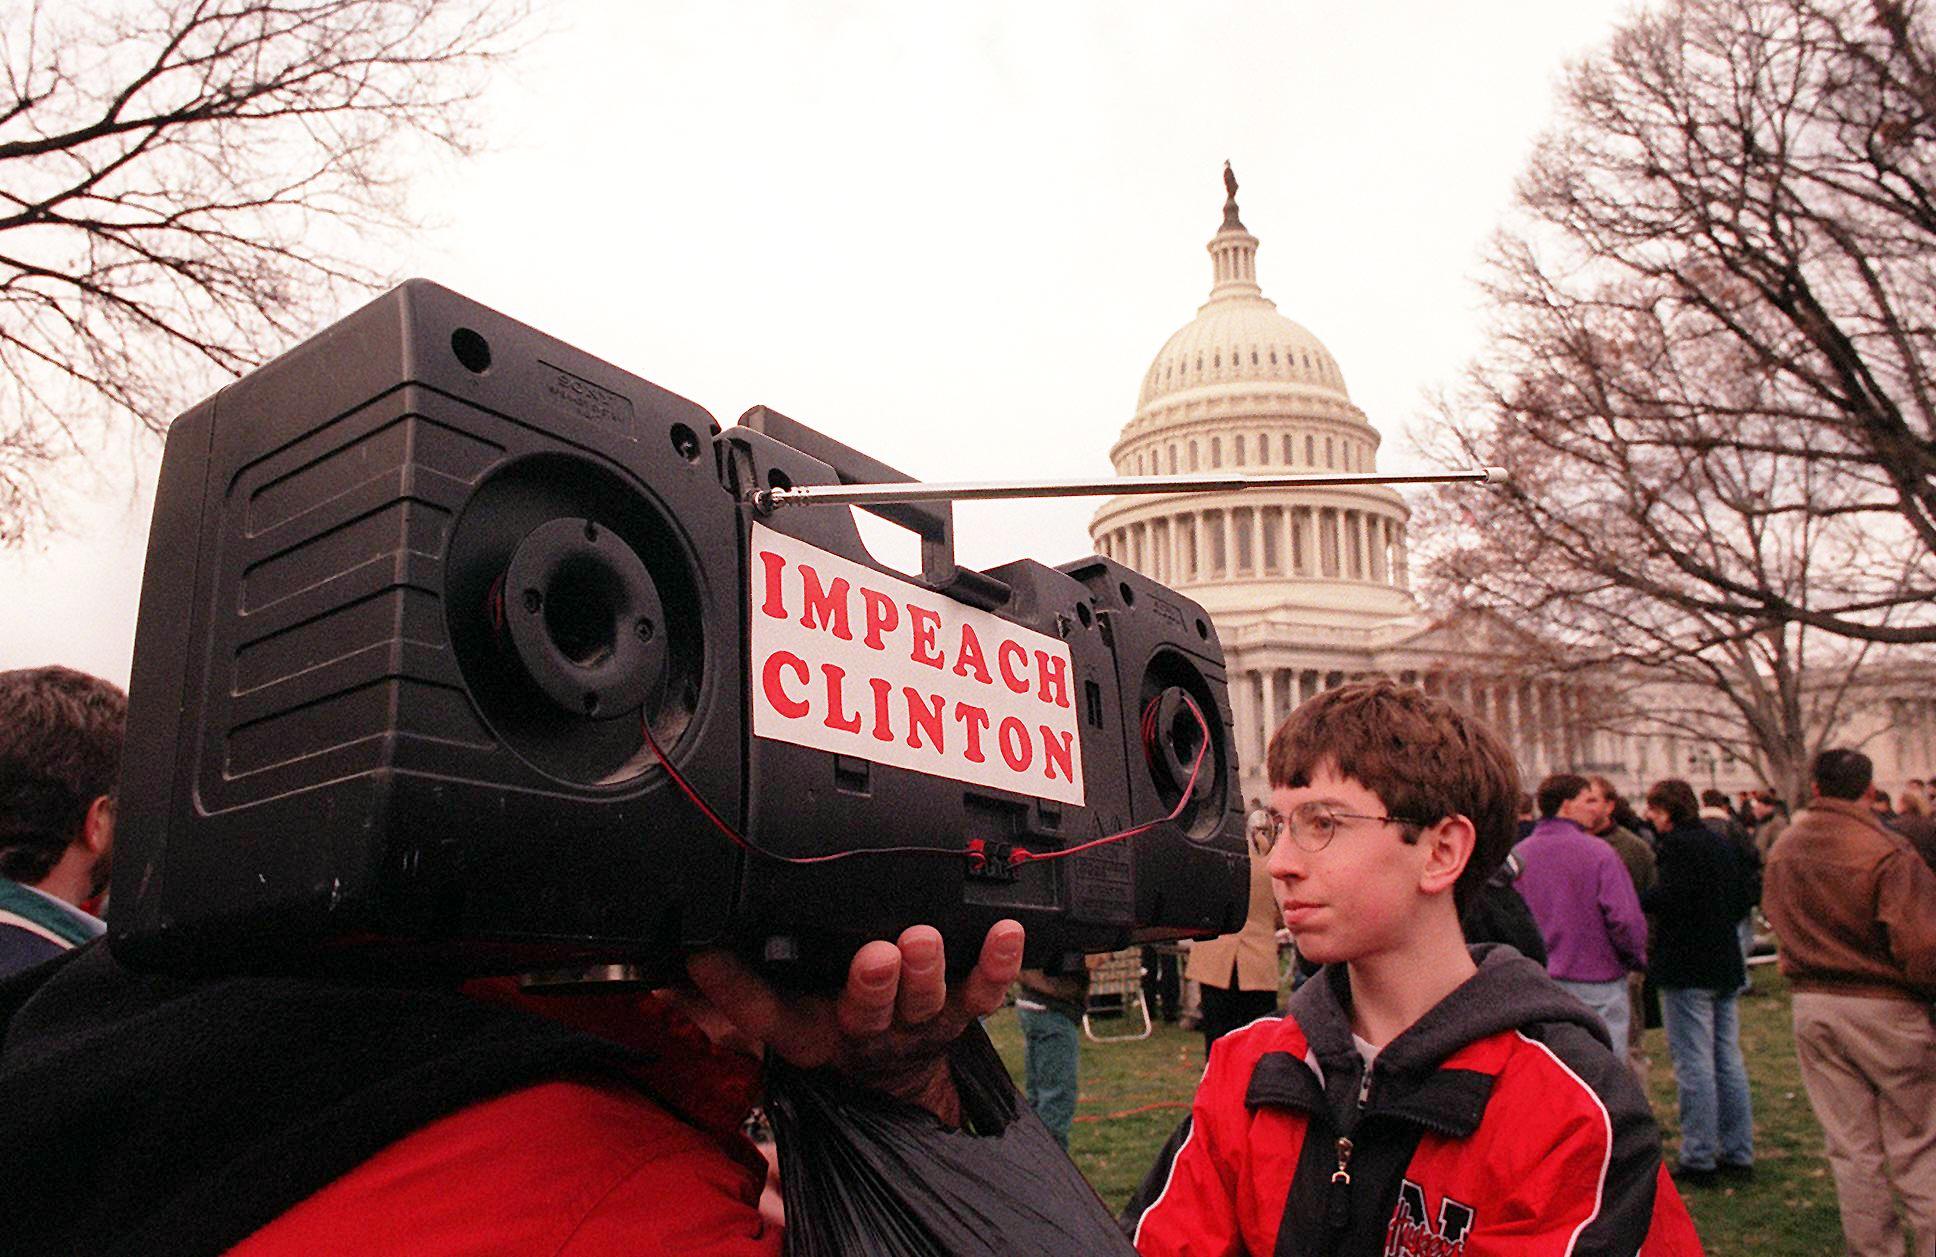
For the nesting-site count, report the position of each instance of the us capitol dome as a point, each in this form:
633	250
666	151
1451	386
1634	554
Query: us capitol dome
1308	586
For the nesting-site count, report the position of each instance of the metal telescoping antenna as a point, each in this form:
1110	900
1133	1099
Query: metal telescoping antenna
766	501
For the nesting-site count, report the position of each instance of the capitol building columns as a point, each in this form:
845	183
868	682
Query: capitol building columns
1187	545
1541	720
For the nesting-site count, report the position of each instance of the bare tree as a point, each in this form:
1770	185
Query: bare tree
184	185
1711	371
1623	551
1743	192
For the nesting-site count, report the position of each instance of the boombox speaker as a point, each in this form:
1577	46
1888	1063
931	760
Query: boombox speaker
451	635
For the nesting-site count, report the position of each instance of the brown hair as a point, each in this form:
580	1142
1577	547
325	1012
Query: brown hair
60	749
1676	798
1423	757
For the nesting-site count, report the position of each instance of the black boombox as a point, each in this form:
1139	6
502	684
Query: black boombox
460	647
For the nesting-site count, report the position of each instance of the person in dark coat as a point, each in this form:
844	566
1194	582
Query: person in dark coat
1720	818
1695	960
1499	914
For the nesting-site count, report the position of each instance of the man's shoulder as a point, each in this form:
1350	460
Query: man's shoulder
1696	841
1594	851
1560	1074
1824	828
1553	839
1837	813
1228	1074
22	947
34	909
1624	841
1607	853
1498	1021
1548	830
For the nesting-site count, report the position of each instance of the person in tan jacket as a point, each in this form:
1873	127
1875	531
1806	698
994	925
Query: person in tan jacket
1238	972
1854	908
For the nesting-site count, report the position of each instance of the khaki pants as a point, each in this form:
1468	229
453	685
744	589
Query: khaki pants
1870	1069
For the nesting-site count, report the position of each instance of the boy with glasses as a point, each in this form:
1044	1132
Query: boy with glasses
1419	1097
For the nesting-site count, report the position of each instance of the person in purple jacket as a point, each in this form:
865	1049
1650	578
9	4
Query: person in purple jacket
1583	899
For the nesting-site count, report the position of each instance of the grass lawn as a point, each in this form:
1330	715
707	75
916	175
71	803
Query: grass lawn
1133	1094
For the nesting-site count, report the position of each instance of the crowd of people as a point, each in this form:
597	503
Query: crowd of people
1650	918
1462	1066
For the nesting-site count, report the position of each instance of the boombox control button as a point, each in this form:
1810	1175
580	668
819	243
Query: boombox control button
585	618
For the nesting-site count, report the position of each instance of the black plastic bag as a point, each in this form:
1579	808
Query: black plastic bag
864	1173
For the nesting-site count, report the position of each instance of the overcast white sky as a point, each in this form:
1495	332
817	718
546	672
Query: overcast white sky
952	236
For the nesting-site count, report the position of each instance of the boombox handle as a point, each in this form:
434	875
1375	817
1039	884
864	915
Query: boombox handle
933	522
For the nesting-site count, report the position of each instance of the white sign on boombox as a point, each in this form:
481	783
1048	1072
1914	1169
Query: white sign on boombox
851	660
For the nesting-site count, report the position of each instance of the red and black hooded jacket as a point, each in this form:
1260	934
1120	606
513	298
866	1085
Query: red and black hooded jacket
1499	1123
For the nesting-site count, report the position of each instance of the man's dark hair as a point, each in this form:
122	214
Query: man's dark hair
60	749
1842	773
1426	760
1711	797
1559	789
1676	798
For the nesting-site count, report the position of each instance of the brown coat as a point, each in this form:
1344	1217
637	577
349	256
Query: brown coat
1853	905
1253	949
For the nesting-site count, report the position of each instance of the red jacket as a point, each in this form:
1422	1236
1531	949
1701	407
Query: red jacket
584	1167
1500	1124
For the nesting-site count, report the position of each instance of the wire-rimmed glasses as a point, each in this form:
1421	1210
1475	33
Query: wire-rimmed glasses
1313	825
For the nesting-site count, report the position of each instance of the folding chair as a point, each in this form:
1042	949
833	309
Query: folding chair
1115	985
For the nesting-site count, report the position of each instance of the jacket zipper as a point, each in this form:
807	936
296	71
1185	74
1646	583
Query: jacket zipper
1337	1205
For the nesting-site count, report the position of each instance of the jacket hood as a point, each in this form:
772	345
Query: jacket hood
1509	992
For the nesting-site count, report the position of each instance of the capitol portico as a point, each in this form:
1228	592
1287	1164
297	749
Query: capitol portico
1309	586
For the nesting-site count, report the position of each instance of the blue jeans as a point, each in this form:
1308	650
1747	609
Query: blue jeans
1049	1054
1704	1038
1609	1000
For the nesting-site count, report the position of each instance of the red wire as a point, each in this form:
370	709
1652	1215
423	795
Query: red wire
746	844
974	849
1153	1107
1021	856
494	604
